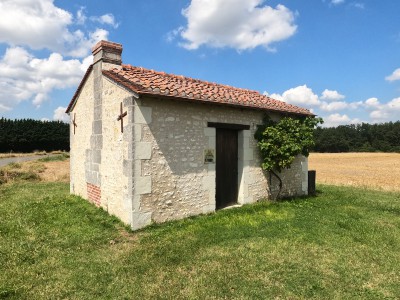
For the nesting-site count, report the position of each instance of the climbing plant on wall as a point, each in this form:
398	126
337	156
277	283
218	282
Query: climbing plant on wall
281	141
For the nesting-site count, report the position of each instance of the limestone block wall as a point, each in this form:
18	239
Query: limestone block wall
181	184
80	141
114	151
295	179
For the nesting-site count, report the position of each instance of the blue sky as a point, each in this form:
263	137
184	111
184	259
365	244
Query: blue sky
339	58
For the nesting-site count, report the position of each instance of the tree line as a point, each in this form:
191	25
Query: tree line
384	137
27	135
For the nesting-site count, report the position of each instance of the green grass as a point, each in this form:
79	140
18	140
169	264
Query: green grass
343	244
58	157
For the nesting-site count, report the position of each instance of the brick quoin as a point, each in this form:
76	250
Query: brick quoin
94	193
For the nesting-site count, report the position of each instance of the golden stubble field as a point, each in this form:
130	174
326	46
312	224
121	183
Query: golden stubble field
370	170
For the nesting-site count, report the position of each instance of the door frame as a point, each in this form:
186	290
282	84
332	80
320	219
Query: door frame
239	128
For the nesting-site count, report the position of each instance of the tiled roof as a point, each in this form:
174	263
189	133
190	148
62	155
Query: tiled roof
148	82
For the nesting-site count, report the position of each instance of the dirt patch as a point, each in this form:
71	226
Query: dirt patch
52	171
56	171
370	170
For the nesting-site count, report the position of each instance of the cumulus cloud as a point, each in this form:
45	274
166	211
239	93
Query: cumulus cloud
60	115
301	95
336	2
39	24
4	108
82	48
394	76
331	95
36	23
334	106
80	16
30	25
383	112
334	120
379	116
239	24
106	19
24	77
332	102
372	102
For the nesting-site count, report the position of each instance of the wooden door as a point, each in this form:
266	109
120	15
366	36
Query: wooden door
226	167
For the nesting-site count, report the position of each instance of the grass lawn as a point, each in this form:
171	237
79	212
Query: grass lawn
343	244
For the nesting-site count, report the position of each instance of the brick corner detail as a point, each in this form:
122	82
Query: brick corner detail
94	193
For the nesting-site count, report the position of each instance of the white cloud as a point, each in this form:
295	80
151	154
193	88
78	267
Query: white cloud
106	19
39	24
331	95
35	23
24	77
334	106
4	108
372	102
301	95
239	24
383	112
358	5
60	115
305	97
336	2
30	25
82	48
379	116
394	76
80	16
334	120
394	104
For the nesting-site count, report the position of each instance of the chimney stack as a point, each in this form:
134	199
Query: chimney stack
108	53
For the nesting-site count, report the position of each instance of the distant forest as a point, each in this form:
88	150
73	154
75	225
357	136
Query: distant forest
363	137
29	135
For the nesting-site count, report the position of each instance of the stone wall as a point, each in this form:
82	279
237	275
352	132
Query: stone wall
180	183
80	141
113	153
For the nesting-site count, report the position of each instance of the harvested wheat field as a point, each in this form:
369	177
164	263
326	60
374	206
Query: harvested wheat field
370	170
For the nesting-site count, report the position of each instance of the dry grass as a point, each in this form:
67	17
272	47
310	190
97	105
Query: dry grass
55	171
370	170
52	171
12	154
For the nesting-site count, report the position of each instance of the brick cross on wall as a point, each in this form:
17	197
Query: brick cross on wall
74	122
121	117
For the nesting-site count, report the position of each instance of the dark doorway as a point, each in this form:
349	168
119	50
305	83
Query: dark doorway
226	167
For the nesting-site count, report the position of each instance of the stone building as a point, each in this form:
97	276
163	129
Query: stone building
149	146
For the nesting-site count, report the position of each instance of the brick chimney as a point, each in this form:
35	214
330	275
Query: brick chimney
108	54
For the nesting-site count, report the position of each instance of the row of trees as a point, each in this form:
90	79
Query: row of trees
27	135
363	137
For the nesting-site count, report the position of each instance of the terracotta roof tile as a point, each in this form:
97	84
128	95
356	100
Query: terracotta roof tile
144	81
